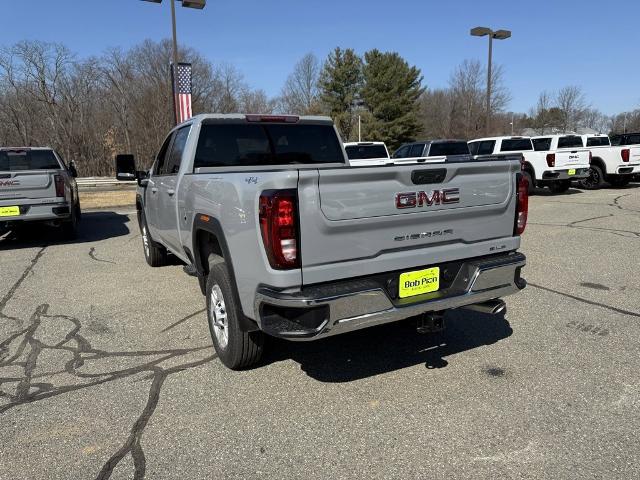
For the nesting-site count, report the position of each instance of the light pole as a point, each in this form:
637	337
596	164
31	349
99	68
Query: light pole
498	35
198	4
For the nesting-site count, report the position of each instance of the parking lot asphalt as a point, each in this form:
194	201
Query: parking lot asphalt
107	369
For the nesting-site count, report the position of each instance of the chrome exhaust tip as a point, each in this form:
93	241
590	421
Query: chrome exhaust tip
493	307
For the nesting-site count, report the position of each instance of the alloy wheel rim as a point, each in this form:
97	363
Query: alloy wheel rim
593	178
218	316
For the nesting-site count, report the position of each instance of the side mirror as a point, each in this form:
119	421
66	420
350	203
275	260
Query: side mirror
126	167
72	169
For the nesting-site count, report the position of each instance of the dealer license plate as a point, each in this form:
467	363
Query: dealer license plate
572	171
9	211
419	282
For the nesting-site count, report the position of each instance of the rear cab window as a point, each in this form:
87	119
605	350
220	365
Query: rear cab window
516	145
443	149
541	144
486	147
264	144
570	141
598	142
16	160
363	152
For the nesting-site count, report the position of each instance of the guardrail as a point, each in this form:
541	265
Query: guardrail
95	182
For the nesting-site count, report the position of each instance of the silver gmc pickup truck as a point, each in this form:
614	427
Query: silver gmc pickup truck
287	239
37	186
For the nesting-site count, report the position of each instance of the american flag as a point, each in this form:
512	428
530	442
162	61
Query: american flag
183	92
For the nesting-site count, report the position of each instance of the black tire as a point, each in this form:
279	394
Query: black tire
70	227
595	180
560	186
240	349
154	253
619	180
532	186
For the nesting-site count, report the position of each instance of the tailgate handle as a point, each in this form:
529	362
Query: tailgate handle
424	177
5	175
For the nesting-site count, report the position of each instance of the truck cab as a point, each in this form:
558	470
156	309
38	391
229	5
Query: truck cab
615	164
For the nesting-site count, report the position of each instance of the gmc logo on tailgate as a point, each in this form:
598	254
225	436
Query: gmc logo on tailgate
9	183
435	197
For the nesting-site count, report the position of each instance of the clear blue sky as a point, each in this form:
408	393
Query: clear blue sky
555	43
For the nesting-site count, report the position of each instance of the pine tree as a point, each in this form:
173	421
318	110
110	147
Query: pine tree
391	92
340	84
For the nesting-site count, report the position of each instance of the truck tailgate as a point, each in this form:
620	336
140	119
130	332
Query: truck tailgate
570	157
23	185
362	221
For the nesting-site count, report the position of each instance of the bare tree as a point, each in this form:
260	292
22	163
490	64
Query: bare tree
300	93
571	104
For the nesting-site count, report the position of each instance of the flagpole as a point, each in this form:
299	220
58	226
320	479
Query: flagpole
175	60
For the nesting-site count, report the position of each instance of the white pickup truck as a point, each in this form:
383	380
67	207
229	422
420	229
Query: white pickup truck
566	159
367	153
611	163
553	169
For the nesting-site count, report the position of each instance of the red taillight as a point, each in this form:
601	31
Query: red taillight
625	152
522	205
551	159
272	118
59	185
279	228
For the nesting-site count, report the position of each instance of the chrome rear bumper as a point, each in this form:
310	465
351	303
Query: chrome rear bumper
331	309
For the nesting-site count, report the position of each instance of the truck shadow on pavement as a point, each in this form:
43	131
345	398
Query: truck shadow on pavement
391	347
93	227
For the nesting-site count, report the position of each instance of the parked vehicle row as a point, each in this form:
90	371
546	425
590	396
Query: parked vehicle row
288	240
554	161
37	186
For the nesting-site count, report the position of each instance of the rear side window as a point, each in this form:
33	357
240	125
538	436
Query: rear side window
598	141
541	144
516	145
486	147
402	152
172	166
441	149
12	160
240	145
361	152
632	139
417	150
473	147
570	142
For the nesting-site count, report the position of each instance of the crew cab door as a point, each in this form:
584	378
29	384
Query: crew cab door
152	193
167	184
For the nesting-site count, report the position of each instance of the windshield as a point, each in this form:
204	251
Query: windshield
11	160
222	145
597	141
516	145
361	152
570	142
440	149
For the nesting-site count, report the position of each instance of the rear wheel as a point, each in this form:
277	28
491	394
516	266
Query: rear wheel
236	348
595	179
154	254
619	180
560	186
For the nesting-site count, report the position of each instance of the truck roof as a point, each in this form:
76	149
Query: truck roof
361	144
557	135
250	117
512	137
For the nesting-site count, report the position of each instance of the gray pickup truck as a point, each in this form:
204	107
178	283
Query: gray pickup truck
286	238
37	186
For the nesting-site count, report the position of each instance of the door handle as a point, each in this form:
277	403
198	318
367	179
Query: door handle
171	192
154	190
